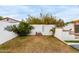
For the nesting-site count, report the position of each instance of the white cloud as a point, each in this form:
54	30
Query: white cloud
69	14
65	12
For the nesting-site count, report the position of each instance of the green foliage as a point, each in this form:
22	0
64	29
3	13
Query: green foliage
1	18
53	31
22	29
45	19
60	23
48	19
68	23
33	20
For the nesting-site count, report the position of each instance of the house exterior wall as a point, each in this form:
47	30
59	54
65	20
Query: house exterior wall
67	34
63	35
69	26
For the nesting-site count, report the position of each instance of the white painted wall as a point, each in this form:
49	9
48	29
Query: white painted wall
37	28
4	34
44	29
47	28
65	35
69	26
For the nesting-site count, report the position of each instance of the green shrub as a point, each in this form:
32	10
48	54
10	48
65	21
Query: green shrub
22	29
1	18
53	31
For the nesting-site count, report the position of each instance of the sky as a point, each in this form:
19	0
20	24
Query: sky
18	12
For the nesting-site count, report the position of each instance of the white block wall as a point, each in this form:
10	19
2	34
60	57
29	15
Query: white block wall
44	29
69	26
7	35
4	34
62	35
47	28
37	28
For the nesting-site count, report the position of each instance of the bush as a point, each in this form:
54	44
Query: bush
22	29
53	31
1	18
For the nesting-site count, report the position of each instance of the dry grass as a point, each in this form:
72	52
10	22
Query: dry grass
36	44
72	41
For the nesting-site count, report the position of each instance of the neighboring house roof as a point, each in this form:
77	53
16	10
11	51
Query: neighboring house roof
10	20
74	21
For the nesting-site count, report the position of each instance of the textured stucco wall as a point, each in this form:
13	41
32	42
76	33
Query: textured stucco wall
65	35
4	34
43	29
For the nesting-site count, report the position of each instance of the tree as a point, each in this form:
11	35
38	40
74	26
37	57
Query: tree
45	19
48	19
68	23
22	29
60	23
33	20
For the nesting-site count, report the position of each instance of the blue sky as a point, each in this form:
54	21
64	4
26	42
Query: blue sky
65	12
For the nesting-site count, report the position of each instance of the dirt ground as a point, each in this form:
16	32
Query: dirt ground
36	44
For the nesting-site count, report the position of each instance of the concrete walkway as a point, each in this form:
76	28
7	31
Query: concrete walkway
75	45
